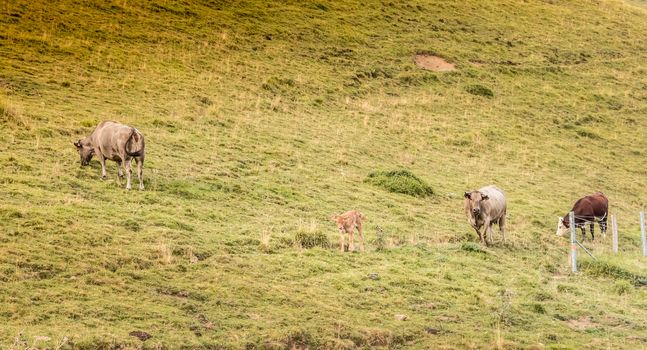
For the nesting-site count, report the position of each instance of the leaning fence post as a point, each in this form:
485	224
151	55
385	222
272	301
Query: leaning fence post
614	230
571	217
642	232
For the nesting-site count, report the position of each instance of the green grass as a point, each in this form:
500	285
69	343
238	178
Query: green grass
263	119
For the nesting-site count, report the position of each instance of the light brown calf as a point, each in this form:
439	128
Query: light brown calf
346	224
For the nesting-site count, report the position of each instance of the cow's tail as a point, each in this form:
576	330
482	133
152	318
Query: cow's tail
134	136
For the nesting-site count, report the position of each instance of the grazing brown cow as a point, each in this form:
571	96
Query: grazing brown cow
486	207
118	142
346	224
589	209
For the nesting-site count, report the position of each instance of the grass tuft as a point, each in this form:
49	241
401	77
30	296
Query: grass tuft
309	240
473	248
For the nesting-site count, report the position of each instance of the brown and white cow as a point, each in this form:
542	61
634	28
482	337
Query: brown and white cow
346	224
590	209
486	207
114	141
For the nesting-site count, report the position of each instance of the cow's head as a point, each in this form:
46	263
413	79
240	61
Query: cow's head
473	202
563	225
86	151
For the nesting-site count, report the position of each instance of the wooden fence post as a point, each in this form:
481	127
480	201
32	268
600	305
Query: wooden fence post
571	217
614	230
642	232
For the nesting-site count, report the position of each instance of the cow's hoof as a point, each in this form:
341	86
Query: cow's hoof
103	177
141	188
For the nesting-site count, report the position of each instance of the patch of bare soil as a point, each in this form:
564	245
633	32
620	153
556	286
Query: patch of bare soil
434	63
582	323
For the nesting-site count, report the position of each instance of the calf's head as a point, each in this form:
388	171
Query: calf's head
341	225
473	201
86	151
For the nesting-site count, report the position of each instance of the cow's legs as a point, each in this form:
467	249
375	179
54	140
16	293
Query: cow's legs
119	171
603	226
478	232
502	227
583	228
361	235
129	172
351	240
487	234
592	226
102	160
140	172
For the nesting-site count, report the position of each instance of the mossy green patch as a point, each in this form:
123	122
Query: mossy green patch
400	181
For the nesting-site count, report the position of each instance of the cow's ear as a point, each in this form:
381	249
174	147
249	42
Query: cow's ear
485	196
77	144
467	195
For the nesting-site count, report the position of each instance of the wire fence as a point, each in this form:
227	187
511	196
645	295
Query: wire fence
578	221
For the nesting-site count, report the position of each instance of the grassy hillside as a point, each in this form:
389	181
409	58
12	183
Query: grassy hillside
263	119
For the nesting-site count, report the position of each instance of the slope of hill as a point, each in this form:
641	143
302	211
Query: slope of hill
263	119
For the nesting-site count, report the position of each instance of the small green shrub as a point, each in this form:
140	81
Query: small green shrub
380	240
312	239
479	90
400	181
